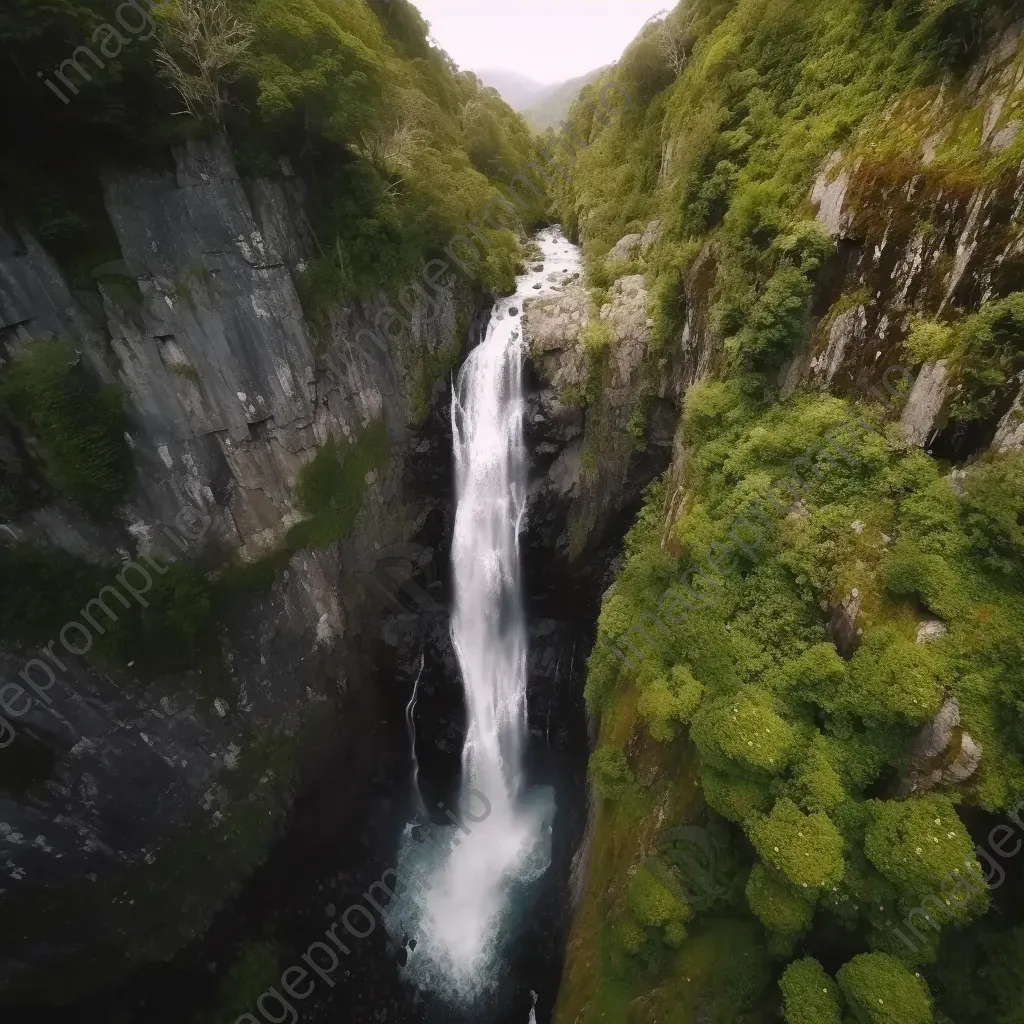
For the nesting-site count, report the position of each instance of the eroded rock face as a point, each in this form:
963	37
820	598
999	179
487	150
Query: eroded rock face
848	329
632	246
829	195
907	243
229	393
650	237
1010	434
843	627
226	395
552	329
925	404
943	754
631	328
583	481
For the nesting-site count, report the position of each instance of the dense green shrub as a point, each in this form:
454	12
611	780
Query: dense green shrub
993	521
880	990
809	995
735	795
746	730
777	905
610	774
175	630
669	700
655	903
80	429
922	847
892	678
806	849
329	489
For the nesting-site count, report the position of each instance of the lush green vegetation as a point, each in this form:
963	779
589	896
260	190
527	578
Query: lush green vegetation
798	748
401	149
176	631
723	700
79	430
256	969
984	354
330	488
766	92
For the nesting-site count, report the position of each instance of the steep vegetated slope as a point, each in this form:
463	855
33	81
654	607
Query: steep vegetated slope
808	784
226	286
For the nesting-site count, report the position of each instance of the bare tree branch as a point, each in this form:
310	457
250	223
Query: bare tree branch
672	45
208	41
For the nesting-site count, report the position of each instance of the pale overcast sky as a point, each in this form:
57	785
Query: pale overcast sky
547	40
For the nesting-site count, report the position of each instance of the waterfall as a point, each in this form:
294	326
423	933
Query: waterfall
533	1008
463	908
410	725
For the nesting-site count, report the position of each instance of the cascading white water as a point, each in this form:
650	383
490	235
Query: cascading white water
459	908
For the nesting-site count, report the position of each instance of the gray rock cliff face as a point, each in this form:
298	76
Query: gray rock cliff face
609	450
910	242
229	391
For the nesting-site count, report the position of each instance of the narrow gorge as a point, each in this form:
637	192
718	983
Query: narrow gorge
458	574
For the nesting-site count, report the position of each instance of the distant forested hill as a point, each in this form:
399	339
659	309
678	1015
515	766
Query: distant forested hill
518	91
551	107
543	106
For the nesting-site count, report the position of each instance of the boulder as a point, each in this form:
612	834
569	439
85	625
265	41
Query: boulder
943	753
650	237
625	249
931	630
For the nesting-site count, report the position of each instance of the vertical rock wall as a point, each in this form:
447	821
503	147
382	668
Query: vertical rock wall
229	391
